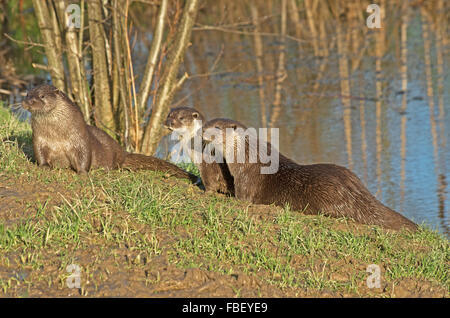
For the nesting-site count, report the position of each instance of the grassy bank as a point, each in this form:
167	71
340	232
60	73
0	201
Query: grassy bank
144	234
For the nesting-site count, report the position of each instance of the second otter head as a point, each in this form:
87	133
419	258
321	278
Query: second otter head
220	125
184	120
41	99
227	136
237	144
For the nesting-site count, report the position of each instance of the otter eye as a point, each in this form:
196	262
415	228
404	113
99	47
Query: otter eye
181	118
195	115
41	96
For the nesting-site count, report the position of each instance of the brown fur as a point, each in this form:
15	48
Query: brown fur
61	138
215	176
319	188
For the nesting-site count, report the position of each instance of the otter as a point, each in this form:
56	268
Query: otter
61	138
187	123
324	188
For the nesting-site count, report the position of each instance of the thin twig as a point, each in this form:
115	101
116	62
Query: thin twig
216	28
32	44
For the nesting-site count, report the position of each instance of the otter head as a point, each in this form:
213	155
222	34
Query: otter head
41	99
237	144
184	120
228	137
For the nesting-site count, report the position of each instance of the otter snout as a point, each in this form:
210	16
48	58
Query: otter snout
25	104
209	134
169	123
31	104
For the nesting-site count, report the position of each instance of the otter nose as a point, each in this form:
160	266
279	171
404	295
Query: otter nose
206	134
168	123
27	102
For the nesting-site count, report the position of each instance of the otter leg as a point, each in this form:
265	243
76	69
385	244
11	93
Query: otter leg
210	191
80	160
242	192
41	155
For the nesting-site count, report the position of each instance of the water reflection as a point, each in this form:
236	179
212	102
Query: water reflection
352	96
376	101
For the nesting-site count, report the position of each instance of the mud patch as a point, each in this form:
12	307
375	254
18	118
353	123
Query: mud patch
114	254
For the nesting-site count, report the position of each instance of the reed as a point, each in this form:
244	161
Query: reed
344	78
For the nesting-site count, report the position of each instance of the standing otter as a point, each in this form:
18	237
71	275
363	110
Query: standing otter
61	138
319	188
187	122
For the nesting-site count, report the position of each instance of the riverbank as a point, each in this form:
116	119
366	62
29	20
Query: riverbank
144	234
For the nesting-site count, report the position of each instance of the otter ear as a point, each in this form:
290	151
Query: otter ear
195	115
57	92
234	126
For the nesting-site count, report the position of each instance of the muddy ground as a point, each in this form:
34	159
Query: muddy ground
118	270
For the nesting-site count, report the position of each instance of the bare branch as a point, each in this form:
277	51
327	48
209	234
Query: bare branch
152	57
153	130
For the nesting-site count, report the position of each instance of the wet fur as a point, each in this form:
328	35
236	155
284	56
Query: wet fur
215	176
319	188
61	138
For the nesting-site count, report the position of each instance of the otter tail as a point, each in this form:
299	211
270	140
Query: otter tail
376	213
395	221
365	207
141	162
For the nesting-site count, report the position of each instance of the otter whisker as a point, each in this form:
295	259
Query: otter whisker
16	105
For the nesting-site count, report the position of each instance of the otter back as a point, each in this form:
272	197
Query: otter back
314	189
61	138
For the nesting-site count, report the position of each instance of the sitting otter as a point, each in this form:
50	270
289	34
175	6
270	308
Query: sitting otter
187	123
318	188
61	138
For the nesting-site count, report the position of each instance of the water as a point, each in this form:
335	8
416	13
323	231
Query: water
397	142
311	119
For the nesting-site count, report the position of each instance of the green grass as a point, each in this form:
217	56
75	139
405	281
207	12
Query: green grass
121	221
